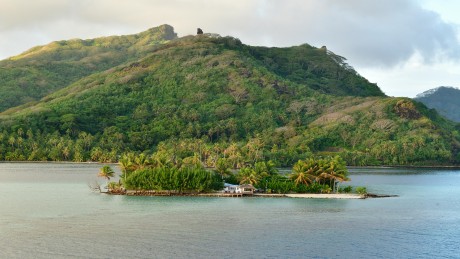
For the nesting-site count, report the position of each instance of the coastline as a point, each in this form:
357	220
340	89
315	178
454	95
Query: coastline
315	195
257	195
340	196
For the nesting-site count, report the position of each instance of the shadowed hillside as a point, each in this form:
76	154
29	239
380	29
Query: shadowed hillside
446	100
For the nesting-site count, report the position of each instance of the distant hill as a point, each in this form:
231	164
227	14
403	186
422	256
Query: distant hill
446	100
215	94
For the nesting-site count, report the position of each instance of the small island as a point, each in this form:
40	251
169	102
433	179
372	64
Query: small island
165	173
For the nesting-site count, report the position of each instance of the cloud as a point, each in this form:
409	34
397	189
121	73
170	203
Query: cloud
413	77
368	33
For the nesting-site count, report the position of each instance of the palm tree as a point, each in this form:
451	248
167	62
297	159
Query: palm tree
126	163
141	161
106	172
161	159
333	170
265	169
337	178
234	155
222	167
192	161
254	149
303	172
248	176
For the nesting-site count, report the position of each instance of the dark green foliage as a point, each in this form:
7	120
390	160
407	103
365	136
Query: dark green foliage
257	174
346	189
280	185
361	190
174	179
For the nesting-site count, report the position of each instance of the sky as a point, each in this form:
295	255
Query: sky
405	46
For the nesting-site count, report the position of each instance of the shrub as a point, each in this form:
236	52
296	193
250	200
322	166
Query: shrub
361	190
346	189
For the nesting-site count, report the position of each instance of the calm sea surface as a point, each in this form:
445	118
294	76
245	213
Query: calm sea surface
48	211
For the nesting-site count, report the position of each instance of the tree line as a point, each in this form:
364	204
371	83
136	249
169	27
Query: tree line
165	171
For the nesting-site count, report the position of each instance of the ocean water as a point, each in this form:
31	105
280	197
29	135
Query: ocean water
48	211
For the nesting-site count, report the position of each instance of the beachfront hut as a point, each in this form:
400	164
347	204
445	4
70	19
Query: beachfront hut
247	189
231	188
243	189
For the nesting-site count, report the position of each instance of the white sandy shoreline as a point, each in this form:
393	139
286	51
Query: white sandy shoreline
261	195
314	195
326	196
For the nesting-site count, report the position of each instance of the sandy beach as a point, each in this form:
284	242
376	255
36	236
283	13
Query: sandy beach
314	195
220	194
326	196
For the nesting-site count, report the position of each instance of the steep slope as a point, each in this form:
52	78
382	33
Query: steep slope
320	69
195	79
215	92
446	100
45	69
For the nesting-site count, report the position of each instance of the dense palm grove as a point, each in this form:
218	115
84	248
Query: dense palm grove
167	170
208	95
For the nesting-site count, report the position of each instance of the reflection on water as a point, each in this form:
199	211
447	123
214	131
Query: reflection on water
47	211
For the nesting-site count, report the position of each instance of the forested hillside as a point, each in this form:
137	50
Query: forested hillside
45	69
446	100
207	96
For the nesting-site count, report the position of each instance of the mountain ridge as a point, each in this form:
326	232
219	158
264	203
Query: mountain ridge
444	99
276	103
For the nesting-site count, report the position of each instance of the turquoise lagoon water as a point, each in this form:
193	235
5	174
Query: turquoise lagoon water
48	211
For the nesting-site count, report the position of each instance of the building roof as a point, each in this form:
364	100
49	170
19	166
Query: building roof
247	186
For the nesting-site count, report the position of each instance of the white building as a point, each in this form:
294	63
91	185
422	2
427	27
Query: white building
243	189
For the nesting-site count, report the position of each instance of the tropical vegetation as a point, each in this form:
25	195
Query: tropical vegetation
106	172
166	171
201	96
43	70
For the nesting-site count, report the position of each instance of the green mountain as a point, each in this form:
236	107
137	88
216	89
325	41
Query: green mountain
198	95
446	100
45	69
